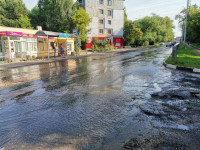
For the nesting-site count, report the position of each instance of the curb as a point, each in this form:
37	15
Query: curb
194	70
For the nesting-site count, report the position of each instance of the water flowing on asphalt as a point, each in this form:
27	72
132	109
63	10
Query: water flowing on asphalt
112	101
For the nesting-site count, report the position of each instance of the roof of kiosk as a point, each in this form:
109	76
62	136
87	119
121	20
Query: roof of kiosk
47	33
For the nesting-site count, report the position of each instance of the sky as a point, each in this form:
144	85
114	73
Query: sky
137	9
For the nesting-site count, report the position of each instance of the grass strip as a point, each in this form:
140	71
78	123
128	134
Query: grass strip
186	57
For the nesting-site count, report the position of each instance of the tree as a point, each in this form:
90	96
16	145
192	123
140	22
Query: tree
131	33
193	23
24	22
35	17
12	12
54	15
80	22
155	29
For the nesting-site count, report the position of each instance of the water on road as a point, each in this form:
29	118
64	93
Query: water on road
124	100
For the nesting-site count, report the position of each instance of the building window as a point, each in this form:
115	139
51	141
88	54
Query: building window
100	11
101	21
109	13
109	31
109	22
101	31
109	2
100	1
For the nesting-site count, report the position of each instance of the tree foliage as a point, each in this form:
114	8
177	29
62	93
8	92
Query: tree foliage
193	23
131	33
80	21
155	29
14	13
53	14
148	31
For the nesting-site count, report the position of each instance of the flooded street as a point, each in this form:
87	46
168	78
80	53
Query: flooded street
125	100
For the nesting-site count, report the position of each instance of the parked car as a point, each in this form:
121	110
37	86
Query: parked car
169	44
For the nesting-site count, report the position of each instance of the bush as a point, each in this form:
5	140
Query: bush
101	45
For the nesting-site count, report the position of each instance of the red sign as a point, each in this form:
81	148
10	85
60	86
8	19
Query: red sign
9	33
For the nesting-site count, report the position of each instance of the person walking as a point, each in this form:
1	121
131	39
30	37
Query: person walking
61	50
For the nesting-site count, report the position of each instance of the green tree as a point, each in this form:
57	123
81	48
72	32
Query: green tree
11	13
35	17
155	29
24	22
54	15
131	33
80	22
193	24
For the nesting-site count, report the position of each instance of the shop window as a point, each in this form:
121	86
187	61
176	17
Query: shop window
109	22
13	38
109	2
101	11
35	46
101	2
109	12
30	46
101	31
101	21
5	38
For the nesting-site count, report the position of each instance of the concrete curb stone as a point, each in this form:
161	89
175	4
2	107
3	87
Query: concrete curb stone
194	70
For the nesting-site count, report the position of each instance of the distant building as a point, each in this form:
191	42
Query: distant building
107	20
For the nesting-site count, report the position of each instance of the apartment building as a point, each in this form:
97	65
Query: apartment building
107	20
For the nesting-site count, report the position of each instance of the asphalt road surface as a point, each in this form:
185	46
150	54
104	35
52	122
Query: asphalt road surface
125	100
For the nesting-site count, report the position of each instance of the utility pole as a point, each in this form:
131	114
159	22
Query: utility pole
185	33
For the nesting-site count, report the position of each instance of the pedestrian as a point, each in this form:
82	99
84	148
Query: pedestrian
61	50
54	48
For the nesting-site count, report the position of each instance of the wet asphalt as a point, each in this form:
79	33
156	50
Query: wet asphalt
125	100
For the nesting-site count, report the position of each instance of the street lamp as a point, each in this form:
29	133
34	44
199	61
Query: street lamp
188	2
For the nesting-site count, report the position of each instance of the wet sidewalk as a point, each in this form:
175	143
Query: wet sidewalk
50	60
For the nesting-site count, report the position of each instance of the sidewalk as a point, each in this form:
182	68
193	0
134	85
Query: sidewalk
187	61
50	60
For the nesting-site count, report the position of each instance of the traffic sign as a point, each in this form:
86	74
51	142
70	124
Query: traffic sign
75	32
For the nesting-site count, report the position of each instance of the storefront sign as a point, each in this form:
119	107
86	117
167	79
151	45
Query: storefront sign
64	35
9	33
51	37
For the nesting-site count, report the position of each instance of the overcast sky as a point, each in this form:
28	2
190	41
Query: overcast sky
137	9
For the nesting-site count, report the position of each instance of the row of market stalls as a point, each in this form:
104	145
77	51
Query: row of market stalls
26	43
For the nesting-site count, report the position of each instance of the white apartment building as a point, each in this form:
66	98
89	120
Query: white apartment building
107	20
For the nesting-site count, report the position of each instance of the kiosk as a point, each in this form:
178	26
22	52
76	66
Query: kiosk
17	46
